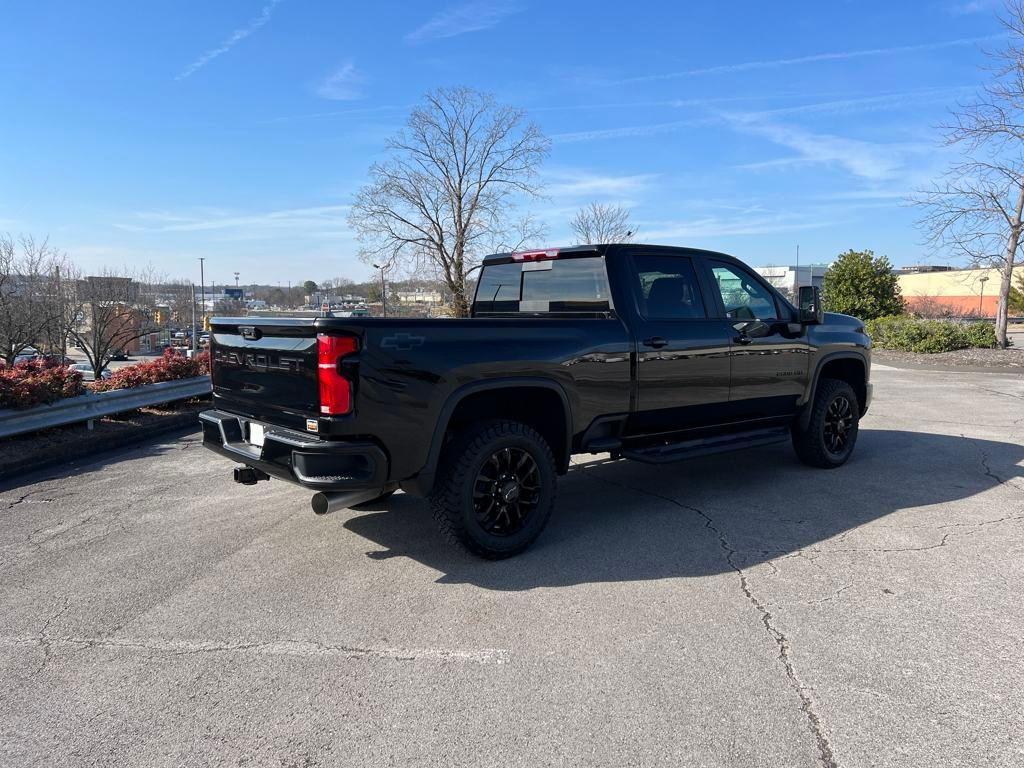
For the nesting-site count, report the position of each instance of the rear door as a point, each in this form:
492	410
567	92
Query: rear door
682	347
266	371
769	373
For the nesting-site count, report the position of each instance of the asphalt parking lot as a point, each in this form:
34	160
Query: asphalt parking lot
737	610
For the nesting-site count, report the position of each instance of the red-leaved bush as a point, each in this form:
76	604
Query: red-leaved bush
170	367
34	382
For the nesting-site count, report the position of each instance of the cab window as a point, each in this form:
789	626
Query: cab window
743	297
668	288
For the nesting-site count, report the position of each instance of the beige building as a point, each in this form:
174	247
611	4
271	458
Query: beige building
964	291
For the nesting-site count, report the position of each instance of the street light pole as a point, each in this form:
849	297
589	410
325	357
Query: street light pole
383	289
981	301
194	318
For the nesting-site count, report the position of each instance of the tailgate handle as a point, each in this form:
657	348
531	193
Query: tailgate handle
250	332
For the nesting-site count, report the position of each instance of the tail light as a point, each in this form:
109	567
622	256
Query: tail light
335	389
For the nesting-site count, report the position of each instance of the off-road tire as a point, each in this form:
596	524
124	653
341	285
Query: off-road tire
811	443
452	499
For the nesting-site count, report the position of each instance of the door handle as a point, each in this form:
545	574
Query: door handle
742	340
655	341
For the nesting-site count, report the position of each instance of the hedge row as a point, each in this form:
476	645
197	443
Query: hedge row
34	382
170	367
912	334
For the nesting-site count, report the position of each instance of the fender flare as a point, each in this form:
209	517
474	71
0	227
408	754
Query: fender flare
424	480
805	410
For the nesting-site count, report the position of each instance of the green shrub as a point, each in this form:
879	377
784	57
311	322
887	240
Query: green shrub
861	284
911	334
980	334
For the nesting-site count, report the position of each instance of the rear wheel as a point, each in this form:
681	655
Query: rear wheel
496	488
832	428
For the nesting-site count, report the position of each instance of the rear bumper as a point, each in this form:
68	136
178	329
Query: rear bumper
323	465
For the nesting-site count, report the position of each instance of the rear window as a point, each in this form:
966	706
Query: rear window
560	285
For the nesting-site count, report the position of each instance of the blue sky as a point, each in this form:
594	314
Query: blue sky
161	131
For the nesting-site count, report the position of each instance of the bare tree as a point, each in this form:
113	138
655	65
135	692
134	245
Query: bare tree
602	223
114	310
33	308
976	210
449	186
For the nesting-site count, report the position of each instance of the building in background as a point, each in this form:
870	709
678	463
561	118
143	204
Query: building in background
936	291
419	296
788	279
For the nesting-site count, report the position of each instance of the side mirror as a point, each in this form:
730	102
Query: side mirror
753	329
811	311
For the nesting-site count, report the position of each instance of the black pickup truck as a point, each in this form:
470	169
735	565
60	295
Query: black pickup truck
649	353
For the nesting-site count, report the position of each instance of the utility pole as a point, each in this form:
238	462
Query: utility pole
202	287
63	318
383	289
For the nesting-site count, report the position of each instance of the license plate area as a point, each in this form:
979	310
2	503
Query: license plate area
256	434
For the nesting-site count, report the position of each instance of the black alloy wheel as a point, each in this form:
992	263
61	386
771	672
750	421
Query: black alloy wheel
837	423
507	491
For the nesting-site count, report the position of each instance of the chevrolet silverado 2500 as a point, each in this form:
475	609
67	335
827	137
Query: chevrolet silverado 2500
649	353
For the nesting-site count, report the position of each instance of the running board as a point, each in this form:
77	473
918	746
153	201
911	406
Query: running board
688	449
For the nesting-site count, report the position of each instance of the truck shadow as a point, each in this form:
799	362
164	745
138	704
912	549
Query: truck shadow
623	521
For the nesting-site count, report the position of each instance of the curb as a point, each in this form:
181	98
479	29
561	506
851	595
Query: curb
67	452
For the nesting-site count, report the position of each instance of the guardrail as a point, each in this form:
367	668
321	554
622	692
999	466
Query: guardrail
95	405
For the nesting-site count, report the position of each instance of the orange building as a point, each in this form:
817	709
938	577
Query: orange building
960	291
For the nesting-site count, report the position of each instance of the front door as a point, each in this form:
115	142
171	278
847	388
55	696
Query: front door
769	371
682	349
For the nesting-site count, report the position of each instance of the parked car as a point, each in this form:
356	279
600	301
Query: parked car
88	374
119	355
650	353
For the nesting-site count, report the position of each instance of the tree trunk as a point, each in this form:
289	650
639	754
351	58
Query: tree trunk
460	304
1006	272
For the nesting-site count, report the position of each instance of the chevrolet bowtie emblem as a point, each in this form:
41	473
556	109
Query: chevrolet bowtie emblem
401	341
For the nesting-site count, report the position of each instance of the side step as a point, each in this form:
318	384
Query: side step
688	449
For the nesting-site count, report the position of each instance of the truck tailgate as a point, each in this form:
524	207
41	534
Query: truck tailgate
266	371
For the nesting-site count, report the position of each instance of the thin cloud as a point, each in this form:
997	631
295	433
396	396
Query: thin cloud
629	131
867	160
470	17
232	40
814	58
341	113
205	221
571	183
717	227
342	85
975	6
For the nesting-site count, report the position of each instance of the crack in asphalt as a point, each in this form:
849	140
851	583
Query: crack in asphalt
999	392
835	595
26	499
807	704
44	640
306	648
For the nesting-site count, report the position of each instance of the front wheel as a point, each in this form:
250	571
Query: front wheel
831	432
496	488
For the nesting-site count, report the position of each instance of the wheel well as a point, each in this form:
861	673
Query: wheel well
538	407
850	370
